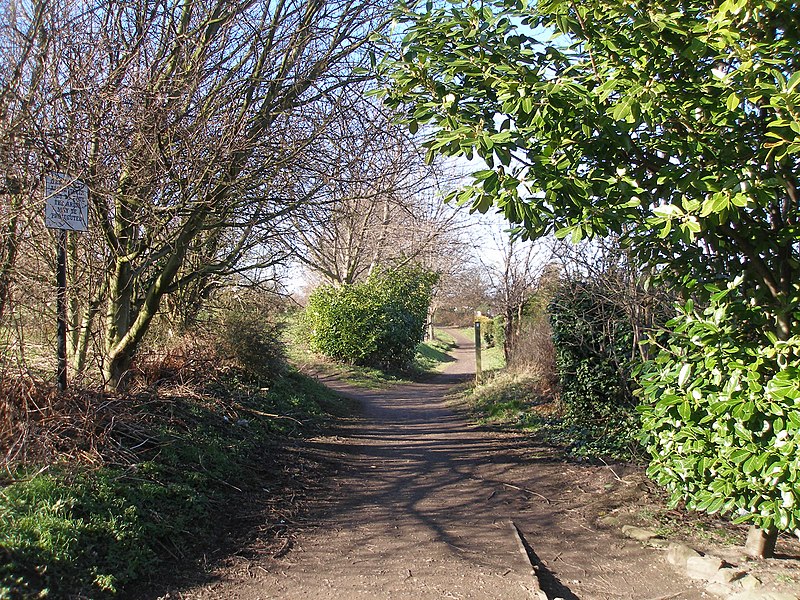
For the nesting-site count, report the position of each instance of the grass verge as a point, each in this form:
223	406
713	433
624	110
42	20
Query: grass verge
83	531
519	400
432	355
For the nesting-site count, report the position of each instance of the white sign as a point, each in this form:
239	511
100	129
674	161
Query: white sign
66	203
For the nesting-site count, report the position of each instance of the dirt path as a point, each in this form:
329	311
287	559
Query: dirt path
420	509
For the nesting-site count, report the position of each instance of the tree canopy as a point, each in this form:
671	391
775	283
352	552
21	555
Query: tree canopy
671	124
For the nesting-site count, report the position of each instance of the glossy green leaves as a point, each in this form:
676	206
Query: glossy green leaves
722	415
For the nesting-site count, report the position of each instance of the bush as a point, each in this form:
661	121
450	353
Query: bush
593	340
241	331
253	344
498	331
378	322
721	416
532	350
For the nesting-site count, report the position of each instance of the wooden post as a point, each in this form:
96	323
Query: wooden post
61	308
478	369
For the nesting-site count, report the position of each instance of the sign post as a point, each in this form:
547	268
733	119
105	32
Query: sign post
61	308
66	209
478	366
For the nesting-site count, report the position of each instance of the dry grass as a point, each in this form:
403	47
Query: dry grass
89	427
534	355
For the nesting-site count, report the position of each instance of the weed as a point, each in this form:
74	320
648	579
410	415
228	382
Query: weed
85	531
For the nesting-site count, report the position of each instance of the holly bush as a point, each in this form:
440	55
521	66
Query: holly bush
378	322
721	416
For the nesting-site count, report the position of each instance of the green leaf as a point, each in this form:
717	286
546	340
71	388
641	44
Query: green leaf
733	102
685	373
685	411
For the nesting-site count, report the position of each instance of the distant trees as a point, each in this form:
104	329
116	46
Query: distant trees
25	49
514	280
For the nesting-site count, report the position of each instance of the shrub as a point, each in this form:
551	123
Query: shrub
378	322
241	331
721	416
253	344
488	330
532	350
593	339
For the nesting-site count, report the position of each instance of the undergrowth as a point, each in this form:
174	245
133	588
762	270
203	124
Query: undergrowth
520	400
70	530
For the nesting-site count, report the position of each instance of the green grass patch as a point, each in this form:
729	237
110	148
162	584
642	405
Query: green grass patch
88	532
444	337
432	355
493	359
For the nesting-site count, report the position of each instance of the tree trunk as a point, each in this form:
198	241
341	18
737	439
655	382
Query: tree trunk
9	250
431	312
508	337
761	543
84	330
121	348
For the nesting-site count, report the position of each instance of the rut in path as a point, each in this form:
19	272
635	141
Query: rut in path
420	509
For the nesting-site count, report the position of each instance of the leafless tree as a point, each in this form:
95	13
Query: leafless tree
25	48
382	204
617	282
188	121
514	279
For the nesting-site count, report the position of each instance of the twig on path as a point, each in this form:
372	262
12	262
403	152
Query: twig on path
526	490
511	485
284	550
266	414
614	473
